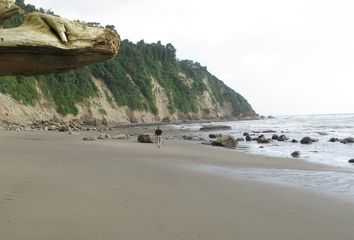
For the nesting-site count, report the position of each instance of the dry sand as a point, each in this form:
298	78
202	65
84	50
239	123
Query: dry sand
57	187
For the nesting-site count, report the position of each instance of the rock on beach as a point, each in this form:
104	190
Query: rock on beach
225	141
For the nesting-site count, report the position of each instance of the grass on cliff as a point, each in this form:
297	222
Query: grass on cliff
22	89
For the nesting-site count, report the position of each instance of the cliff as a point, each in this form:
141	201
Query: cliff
144	83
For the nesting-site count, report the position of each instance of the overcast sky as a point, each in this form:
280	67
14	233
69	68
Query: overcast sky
284	57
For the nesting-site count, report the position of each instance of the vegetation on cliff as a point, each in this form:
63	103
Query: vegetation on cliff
129	77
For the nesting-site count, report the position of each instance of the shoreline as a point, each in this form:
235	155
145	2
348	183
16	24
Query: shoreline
110	189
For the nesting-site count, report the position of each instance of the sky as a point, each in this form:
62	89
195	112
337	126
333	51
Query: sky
285	57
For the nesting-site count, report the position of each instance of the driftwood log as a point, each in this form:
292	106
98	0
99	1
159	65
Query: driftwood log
48	44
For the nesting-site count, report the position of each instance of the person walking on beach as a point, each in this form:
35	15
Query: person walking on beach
158	134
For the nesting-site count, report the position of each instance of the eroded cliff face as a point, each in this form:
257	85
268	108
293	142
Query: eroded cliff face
103	109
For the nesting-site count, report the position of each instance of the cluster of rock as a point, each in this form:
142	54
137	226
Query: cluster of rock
59	126
106	136
344	140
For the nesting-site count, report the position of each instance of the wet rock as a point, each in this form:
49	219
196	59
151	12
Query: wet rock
215	135
294	141
347	140
296	154
334	140
263	140
275	137
225	141
214	127
248	138
283	138
246	134
147	138
351	161
306	140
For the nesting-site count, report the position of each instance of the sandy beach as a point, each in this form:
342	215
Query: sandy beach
56	186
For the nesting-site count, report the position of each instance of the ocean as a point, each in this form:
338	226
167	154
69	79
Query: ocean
321	127
323	152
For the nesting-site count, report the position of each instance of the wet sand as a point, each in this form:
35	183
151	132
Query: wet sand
56	186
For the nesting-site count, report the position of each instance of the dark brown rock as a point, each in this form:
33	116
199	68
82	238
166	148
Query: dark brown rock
347	140
283	138
147	138
306	140
296	154
275	137
215	135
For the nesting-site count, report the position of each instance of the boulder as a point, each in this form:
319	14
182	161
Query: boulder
283	138
294	141
296	154
275	137
248	138
147	138
347	140
245	134
351	161
334	140
263	140
225	141
214	127
306	140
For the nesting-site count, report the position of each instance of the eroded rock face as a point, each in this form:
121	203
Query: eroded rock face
48	44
